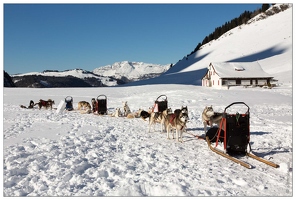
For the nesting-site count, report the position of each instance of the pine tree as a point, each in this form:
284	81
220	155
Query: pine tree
264	7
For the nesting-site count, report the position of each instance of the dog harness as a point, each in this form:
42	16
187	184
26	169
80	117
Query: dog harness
172	117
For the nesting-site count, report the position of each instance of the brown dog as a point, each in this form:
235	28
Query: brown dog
47	104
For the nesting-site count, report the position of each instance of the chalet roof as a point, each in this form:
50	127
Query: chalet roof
239	70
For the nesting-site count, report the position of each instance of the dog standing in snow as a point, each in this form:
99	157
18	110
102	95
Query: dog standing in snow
209	117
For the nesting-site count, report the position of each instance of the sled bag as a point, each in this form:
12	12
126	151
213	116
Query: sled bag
69	103
101	106
161	105
237	134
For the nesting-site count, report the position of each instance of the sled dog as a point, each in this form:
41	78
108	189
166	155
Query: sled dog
84	107
126	109
209	117
135	114
177	122
117	113
183	109
47	104
31	105
144	115
159	117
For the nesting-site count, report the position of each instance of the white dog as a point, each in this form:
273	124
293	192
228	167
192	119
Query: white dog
117	113
126	109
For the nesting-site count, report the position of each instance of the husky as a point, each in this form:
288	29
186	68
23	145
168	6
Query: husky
209	117
136	114
144	115
159	117
177	122
31	105
126	109
47	104
183	109
117	113
84	107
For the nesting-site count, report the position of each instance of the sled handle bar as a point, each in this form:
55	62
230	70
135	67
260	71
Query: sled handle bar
68	97
101	96
161	96
237	103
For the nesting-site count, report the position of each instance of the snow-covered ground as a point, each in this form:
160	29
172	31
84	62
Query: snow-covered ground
73	154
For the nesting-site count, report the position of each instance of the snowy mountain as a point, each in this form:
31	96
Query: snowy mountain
67	78
132	70
110	75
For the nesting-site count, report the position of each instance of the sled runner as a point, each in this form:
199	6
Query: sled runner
160	106
234	132
101	105
69	103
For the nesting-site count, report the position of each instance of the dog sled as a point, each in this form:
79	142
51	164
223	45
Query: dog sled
234	133
101	105
160	105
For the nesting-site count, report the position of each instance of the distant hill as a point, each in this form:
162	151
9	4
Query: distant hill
117	74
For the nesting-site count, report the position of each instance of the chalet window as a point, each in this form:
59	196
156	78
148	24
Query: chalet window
213	82
218	82
238	82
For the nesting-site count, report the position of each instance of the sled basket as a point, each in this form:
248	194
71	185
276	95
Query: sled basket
101	104
160	106
234	132
69	103
237	134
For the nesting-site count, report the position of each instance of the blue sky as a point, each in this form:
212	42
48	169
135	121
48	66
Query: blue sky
40	37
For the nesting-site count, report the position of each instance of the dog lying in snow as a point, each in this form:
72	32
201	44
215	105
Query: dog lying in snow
47	104
31	105
136	114
84	107
117	113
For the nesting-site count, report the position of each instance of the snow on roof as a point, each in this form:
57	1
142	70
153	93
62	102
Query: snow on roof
239	70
